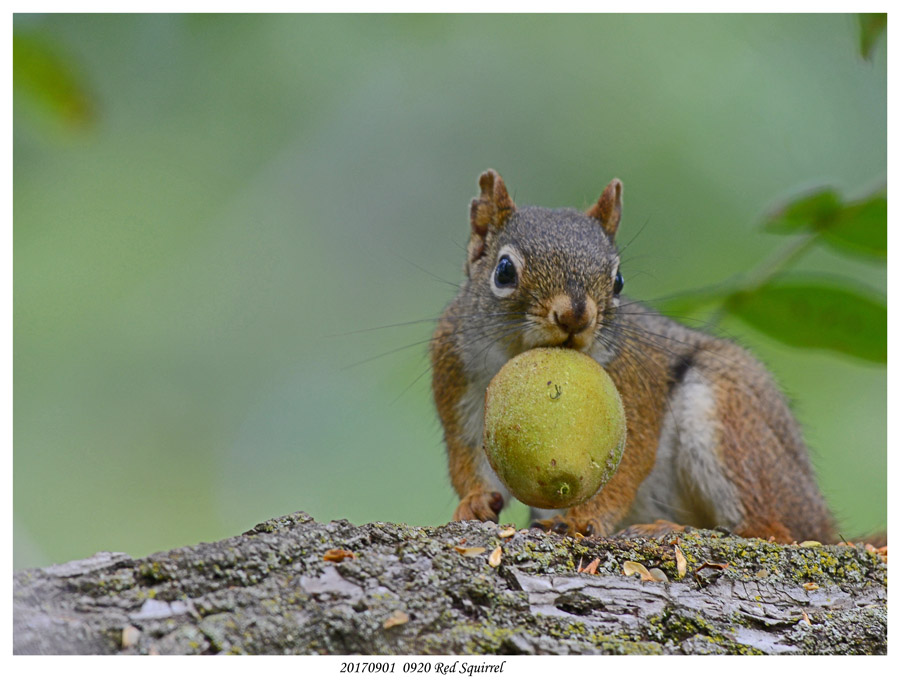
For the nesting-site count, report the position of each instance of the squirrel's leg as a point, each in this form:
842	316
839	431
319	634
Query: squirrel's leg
460	409
481	494
478	499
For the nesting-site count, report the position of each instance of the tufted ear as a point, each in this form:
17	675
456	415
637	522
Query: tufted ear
489	211
608	208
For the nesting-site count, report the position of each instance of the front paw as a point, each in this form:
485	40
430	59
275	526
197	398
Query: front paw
656	530
570	526
481	505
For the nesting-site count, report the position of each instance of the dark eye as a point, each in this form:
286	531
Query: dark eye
505	275
618	284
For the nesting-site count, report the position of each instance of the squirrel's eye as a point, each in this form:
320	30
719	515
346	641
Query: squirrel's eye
618	284
505	275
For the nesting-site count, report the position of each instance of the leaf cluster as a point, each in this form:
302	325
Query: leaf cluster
808	311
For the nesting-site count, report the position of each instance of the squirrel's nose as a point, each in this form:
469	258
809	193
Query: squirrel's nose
573	315
570	322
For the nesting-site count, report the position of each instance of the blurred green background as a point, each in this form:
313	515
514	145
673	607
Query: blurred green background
205	206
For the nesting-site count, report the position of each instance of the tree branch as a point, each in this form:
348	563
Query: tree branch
409	590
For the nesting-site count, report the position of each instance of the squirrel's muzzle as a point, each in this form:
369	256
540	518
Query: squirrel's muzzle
573	316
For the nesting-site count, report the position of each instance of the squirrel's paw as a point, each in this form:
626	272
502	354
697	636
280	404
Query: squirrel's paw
481	505
656	529
570	526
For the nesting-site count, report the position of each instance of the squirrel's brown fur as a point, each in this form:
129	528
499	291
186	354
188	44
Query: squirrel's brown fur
711	440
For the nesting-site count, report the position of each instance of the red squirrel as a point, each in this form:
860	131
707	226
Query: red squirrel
711	440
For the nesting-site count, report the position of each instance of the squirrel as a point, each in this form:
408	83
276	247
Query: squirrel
711	440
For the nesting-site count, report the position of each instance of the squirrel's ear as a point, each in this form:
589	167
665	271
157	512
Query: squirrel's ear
608	208
489	210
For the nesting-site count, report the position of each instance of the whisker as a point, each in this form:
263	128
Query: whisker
418	321
386	353
385	326
429	273
634	238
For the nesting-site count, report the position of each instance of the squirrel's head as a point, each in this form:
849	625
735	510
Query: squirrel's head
558	268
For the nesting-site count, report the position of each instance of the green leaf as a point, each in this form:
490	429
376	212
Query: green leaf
817	314
41	75
861	228
871	26
812	211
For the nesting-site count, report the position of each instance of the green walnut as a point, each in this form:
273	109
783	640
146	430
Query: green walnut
554	427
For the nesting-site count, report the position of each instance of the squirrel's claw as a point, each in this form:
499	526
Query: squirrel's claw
588	527
656	530
569	526
481	505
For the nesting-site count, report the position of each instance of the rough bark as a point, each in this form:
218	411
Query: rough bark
410	591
